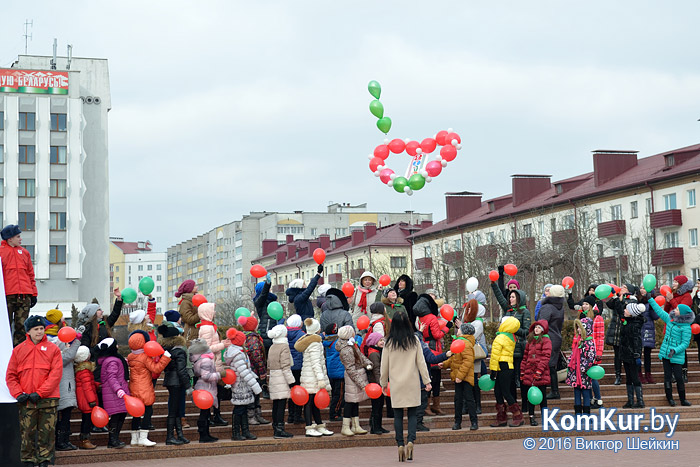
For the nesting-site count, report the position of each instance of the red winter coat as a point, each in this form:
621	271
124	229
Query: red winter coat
141	368
35	368
85	386
680	296
433	332
534	369
17	270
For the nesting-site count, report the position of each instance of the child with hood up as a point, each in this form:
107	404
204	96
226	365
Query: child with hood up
336	371
85	393
502	371
373	344
255	349
208	376
582	359
208	331
140	320
114	375
392	302
355	380
589	309
534	371
294	333
364	296
462	373
244	389
176	380
335	309
313	376
279	364
299	295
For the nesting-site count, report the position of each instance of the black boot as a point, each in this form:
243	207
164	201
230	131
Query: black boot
236	428
216	419
114	429
630	397
640	400
373	425
554	394
618	378
170	438
533	420
203	430
178	431
290	411
685	375
668	389
265	392
280	433
684	401
578	409
477	398
379	423
587	409
245	430
299	415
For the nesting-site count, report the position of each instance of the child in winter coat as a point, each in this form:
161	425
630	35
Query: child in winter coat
392	302
294	333
589	309
534	371
364	296
141	368
85	393
430	359
648	338
279	364
176	379
255	349
244	389
208	332
373	344
462	366
474	313
336	371
583	357
205	371
67	389
114	374
502	371
172	316
313	376
355	380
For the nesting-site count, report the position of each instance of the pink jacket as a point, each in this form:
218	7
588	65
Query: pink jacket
208	332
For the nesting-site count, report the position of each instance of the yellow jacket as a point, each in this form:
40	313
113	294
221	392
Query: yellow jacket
504	344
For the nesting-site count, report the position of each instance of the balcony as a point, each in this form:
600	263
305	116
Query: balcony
455	285
486	253
564	237
424	263
667	257
670	218
612	229
337	277
279	288
523	245
421	288
609	264
356	273
453	257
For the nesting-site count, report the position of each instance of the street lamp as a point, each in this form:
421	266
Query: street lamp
617	251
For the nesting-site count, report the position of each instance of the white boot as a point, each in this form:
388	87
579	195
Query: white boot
311	431
143	439
356	428
346	430
135	438
322	429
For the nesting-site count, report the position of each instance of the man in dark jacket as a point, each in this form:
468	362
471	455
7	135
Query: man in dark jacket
263	297
18	275
299	296
552	311
336	310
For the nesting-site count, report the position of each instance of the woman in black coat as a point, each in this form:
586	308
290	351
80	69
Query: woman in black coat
552	311
261	300
404	289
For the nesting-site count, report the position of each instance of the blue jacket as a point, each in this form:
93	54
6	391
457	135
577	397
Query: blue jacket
678	333
648	328
335	367
430	357
300	299
293	335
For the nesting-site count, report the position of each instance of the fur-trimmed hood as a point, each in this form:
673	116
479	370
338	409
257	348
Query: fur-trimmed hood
386	301
684	288
684	315
407	279
585	327
425	305
86	365
305	341
543	323
522	297
171	342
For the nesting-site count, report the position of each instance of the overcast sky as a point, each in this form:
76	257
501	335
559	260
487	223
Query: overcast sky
224	107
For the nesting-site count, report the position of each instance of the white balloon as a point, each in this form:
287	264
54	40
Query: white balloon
370	157
407	140
376	174
392	176
438	157
455	142
472	284
458	146
390	183
380	168
419	151
443	163
386	141
409	193
449	130
424	173
406	189
428	179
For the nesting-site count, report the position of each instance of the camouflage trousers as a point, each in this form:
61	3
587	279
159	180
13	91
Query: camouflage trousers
18	310
37	425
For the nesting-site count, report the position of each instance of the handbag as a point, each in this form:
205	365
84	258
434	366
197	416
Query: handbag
562	367
479	352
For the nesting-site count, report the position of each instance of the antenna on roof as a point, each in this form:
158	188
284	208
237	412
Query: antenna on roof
27	35
53	60
70	56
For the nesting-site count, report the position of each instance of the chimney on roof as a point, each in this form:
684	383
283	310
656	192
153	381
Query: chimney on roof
358	236
313	244
268	246
290	238
425	224
370	230
291	251
609	164
280	257
461	204
526	187
325	241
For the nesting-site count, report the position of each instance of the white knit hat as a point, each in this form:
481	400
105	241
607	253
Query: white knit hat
294	321
312	326
277	331
323	288
82	354
557	291
346	332
636	309
296	284
137	316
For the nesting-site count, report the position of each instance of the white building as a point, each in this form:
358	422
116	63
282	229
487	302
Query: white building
132	261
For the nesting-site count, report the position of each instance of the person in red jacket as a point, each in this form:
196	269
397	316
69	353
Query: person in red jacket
85	393
534	370
33	377
18	274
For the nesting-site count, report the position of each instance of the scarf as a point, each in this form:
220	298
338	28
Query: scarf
208	355
136	352
541	335
363	300
204	322
509	334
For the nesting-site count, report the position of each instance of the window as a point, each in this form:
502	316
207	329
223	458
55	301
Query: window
2	189
397	262
30	249
57	254
116	279
58	154
360	264
27	121
158	288
598	216
491	238
650	242
691	198
634	210
616	246
540	227
670	275
117	268
428	252
26	187
458	244
140	267
2	120
527	230
2	153
58	122
339	232
58	221
648	206
693	237
129	269
57	188
314	231
553	224
159	267
584	219
600	250
670	201
159	278
569	222
695	272
27	154
671	240
616	212
635	246
150	267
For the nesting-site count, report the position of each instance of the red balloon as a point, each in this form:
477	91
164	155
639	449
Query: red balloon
134	406
510	269
411	147
202	399
153	349
568	282
615	288
448	152
453	136
242	320
385	175
362	322
447	312
493	276
348	289
322	399
665	290
299	395
457	346
258	271
198	299
319	255
428	145
373	390
381	151
374	163
660	300
433	168
230	377
66	334
397	145
99	417
384	280
695	328
441	138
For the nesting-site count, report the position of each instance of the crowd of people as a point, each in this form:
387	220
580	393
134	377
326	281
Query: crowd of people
319	346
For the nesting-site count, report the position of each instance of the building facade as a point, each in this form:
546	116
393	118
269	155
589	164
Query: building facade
55	176
132	261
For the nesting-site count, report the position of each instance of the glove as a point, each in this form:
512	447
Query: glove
577	307
92	404
34	397
166	354
33	301
268	278
671	353
449	324
22	398
639	362
501	269
320	268
189	392
121	393
369	367
493	375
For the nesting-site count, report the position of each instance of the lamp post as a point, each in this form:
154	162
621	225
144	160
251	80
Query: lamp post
617	251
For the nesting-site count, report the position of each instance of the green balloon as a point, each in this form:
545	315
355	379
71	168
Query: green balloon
596	372
242	311
416	182
375	89
275	310
384	124
486	383
603	291
534	395
400	183
649	282
377	108
129	295
146	285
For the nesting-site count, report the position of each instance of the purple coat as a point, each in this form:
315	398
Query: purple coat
648	328
205	370
112	377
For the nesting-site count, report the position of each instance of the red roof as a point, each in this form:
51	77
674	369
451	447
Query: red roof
648	170
131	248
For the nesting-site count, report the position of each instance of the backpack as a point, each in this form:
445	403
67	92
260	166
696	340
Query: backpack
364	348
